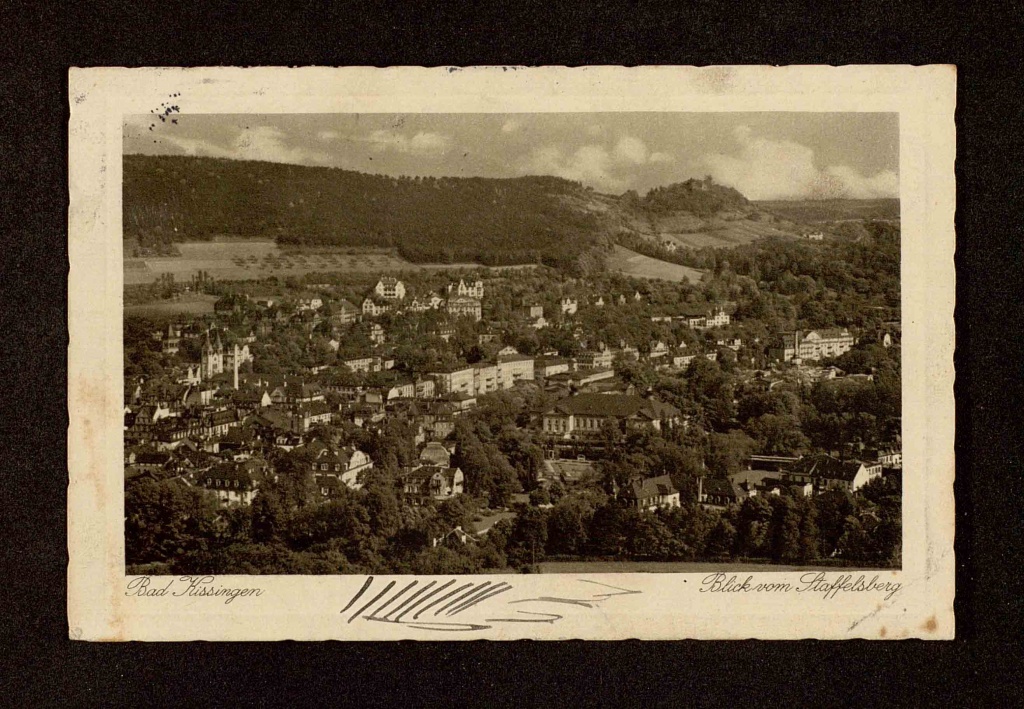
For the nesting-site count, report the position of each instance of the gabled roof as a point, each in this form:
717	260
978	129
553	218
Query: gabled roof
617	405
718	486
826	467
425	472
154	458
650	487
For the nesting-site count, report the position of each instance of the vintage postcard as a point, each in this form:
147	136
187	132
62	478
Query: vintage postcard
504	352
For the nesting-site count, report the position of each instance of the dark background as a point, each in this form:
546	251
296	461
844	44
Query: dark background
42	667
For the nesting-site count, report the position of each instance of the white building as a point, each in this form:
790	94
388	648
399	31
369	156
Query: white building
390	288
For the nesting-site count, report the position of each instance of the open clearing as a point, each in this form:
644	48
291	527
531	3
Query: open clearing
672	567
728	233
631	263
240	260
189	303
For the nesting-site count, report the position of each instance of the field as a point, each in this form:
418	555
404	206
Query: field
670	567
813	211
727	234
188	303
239	260
631	263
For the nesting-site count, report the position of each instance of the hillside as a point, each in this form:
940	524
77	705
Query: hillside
494	222
821	211
489	221
698	214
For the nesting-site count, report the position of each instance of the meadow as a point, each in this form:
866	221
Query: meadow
631	263
239	260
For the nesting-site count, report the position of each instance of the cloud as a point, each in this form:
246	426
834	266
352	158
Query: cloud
511	126
783	169
632	150
423	143
590	164
264	143
606	169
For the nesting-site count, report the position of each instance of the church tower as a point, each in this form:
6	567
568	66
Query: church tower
212	362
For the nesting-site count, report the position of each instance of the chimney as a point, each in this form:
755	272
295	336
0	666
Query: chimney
236	366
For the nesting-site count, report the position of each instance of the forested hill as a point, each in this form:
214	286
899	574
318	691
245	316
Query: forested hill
507	221
490	221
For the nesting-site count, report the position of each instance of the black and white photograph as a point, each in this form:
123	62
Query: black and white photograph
511	353
590	342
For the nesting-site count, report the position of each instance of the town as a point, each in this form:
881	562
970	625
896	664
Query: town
497	419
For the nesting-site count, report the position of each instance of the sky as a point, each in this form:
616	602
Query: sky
764	155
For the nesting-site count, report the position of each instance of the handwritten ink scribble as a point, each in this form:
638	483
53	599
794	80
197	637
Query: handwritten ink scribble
397	600
549	599
550	619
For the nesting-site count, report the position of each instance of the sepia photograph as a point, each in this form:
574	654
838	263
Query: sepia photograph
511	353
463	343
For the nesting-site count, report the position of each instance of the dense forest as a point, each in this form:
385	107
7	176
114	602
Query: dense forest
426	219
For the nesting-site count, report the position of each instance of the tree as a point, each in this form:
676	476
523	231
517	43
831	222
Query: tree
722	539
833	508
527	542
167	519
651	538
777	434
785	529
568	525
728	451
269	514
610	529
753	524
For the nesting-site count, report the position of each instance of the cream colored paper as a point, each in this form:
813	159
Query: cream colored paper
101	603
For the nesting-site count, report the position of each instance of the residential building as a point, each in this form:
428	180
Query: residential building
433	482
464	306
344	313
373	309
514	368
171	343
459	380
444	332
390	288
815	345
365	364
425	388
658	350
342	464
308	415
569	306
376	334
649	494
826	473
533	311
434	453
233	483
715	493
594	359
471	290
485	378
589	416
312	302
545	367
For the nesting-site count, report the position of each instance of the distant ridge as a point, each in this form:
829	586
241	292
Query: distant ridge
491	221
